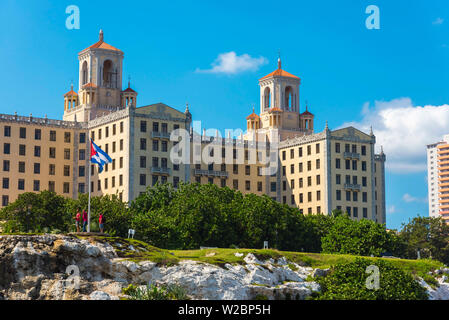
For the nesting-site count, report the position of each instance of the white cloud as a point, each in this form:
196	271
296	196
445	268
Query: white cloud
438	21
408	198
391	209
231	63
404	131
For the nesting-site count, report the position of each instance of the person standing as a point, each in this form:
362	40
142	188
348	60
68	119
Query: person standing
78	220
84	221
101	221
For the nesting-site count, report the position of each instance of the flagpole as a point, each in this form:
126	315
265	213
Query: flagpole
89	173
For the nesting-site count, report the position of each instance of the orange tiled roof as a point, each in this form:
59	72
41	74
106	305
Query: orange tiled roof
279	73
89	85
307	113
275	109
128	90
253	116
71	93
102	45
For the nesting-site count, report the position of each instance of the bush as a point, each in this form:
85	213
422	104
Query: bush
163	292
348	282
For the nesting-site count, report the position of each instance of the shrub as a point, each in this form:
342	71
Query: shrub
348	282
152	292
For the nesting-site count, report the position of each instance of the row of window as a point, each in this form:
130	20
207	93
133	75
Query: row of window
355	196
348	164
6	184
164	126
7	132
235	153
350	148
164	145
155	180
300	167
300	152
354	181
37	168
301	182
106	183
106	131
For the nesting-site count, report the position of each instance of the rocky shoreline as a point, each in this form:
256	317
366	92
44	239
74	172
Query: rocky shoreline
57	267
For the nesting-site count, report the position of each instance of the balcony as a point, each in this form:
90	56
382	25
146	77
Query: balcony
160	135
210	173
352	155
160	170
354	187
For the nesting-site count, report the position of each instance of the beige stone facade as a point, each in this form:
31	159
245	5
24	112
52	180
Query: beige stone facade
279	155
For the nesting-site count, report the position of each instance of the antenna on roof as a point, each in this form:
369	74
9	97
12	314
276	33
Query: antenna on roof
129	81
279	59
101	35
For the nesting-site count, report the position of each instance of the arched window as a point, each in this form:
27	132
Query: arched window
84	73
289	101
266	98
109	75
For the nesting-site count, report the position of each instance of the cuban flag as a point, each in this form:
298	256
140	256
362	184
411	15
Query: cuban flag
98	156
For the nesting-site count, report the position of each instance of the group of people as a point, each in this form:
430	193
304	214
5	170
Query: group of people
84	217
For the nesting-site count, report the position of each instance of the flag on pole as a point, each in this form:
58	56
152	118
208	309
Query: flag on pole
98	156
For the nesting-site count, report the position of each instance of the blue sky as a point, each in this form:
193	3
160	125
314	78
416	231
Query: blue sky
395	78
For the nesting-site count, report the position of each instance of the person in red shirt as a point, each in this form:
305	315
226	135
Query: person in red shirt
84	221
101	221
78	220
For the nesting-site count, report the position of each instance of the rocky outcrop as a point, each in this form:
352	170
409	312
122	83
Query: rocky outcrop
64	267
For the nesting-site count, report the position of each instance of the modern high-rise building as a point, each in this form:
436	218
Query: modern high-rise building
279	155
438	178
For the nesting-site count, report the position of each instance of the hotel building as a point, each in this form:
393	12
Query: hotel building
316	172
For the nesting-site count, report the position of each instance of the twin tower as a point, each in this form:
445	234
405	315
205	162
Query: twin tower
100	83
100	93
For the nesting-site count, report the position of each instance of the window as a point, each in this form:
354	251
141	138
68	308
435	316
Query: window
355	197
22	133
82	155
354	164
301	184
114	147
7	131
21	184
354	148
155	162
176	167
36	185
348	210
51	169
114	129
365	212
66	187
338	179
301	198
82	137
317	148
121	163
52	153
300	167
37	151
363	150
82	171
81	188
283	155
143	161
92	135
247	170
259	186
164	145
235	184
284	185
164	162
66	171
292	184
113	182
347	146
99	185
338	195
164	128
5	201
363	165
121	127
67	136
309	197
309	181
348	195
309	165
5	183
292	168
143	144
348	164
318	180
176	182
364	181
22	149
53	135
37	134
356	212
337	148
67	154
337	163
51	186
365	197
121	144
156	126
309	150
318	196
273	186
143	126
6	148
247	185
318	163
37	168
292	153
5	165
354	180
143	179
300	152
120	180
